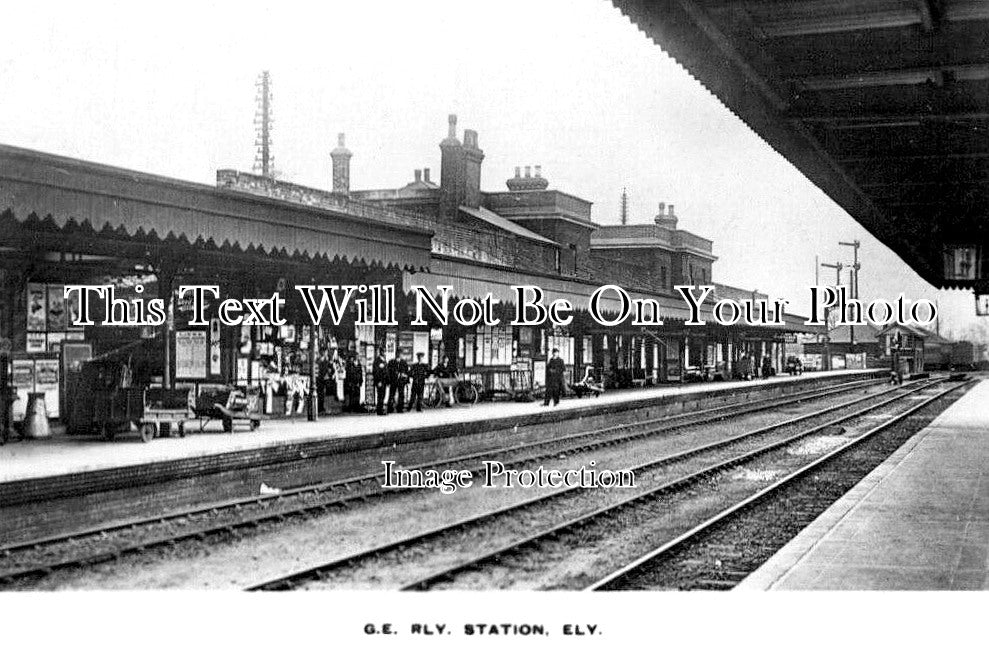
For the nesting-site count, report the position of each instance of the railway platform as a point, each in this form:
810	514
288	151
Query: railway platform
63	484
62	454
920	521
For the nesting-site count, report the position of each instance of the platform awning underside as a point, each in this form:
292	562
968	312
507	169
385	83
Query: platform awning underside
884	104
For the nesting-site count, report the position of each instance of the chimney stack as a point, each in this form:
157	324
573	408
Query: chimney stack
341	166
425	175
665	218
472	170
528	172
452	160
418	176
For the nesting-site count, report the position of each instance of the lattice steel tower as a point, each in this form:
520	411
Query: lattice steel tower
264	159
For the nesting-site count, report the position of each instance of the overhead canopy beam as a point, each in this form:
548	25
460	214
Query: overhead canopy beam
889	118
937	76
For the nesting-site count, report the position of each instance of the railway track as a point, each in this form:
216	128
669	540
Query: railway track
519	516
41	557
701	551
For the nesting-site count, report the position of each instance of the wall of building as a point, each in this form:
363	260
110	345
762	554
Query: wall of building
652	267
573	260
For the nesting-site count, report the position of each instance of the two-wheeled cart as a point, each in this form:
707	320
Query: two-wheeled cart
230	407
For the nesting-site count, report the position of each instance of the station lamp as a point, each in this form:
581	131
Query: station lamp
982	299
982	304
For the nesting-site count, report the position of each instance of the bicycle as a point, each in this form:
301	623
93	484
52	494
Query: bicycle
464	392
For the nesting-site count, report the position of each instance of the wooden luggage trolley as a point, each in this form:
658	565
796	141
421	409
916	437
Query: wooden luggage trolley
230	406
107	402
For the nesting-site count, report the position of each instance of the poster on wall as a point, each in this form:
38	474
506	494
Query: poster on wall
243	370
420	344
406	342
55	341
391	343
22	378
214	347
364	335
57	311
72	311
46	382
190	354
37	307
539	373
36	342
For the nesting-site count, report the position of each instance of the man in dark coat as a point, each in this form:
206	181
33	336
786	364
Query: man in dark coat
379	374
767	366
418	373
398	378
353	379
554	379
324	378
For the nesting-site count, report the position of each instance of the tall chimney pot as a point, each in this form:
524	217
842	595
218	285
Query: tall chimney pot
418	176
452	133
341	166
528	171
425	175
539	169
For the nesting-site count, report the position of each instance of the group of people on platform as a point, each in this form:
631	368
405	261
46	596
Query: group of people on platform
747	369
389	379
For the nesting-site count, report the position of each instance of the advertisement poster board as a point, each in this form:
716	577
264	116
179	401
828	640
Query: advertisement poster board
22	378
37	307
46	379
57	310
190	354
214	347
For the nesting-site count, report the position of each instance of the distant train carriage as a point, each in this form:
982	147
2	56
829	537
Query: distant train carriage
964	355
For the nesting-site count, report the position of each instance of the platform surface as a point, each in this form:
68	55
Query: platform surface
67	455
920	521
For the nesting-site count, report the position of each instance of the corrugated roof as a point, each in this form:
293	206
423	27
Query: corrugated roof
141	204
505	224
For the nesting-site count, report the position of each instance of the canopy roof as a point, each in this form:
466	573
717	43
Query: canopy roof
103	199
884	104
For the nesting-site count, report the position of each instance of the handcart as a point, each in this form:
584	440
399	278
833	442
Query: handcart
230	406
165	407
108	403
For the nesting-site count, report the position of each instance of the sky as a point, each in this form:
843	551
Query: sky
571	85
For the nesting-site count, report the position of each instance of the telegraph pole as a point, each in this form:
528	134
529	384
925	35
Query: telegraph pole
827	312
854	277
264	159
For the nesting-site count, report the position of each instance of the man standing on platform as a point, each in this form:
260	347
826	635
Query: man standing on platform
554	378
418	372
379	374
353	379
398	378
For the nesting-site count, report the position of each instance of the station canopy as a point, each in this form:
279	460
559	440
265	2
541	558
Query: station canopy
84	206
883	104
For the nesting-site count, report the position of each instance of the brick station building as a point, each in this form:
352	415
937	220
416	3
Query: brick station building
64	221
485	241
